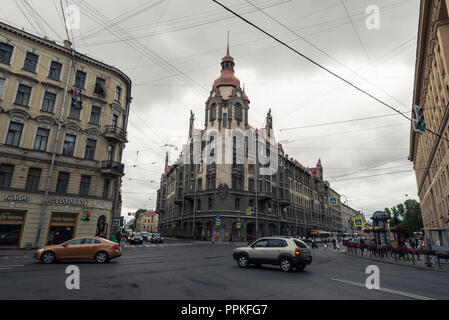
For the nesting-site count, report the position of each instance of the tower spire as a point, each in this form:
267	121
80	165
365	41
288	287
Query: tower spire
227	48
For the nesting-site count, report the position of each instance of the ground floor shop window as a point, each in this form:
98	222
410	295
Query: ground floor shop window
62	227
11	226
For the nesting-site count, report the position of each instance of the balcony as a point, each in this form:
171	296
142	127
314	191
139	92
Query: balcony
112	168
284	199
115	133
178	197
237	169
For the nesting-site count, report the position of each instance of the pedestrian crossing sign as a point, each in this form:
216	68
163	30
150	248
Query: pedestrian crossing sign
249	211
332	201
358	222
116	222
239	225
217	222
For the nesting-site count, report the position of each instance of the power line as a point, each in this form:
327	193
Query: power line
337	122
321	66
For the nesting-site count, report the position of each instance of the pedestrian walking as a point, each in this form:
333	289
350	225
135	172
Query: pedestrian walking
230	239
118	236
56	238
334	242
314	245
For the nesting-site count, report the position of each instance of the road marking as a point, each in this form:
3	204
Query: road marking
401	293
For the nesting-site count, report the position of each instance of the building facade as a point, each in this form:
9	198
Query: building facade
233	197
148	221
35	75
431	91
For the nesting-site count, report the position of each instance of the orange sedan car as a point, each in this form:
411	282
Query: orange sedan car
87	248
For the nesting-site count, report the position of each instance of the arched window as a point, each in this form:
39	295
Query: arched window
213	112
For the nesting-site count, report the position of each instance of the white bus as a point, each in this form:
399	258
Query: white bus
321	236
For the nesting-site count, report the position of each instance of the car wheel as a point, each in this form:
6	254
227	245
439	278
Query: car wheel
48	257
285	265
101	257
300	268
242	261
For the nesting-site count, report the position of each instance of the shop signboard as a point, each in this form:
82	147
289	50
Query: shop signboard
63	218
7	216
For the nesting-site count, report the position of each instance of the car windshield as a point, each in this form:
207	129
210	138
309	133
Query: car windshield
157	234
137	235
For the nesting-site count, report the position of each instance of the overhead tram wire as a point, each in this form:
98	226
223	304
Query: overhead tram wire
119	32
322	67
200	17
327	54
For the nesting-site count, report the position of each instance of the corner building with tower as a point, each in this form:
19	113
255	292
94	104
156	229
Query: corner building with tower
235	198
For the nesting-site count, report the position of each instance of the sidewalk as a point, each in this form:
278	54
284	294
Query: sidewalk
420	264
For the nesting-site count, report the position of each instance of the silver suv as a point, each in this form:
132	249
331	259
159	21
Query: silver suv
287	252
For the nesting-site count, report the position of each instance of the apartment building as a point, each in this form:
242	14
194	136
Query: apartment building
428	151
241	196
83	191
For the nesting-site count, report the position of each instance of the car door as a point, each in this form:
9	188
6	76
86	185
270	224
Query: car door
257	254
70	250
89	248
274	249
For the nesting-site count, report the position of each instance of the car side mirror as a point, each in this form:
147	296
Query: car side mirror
64	244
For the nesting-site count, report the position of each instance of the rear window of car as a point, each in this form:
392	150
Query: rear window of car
300	244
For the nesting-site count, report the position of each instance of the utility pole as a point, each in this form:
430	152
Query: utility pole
55	148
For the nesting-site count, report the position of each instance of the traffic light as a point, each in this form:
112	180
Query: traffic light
418	124
86	215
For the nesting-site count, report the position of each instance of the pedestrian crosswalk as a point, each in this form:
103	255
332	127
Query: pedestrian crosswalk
156	245
8	263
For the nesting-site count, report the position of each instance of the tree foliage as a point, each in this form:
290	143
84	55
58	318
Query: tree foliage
136	215
407	215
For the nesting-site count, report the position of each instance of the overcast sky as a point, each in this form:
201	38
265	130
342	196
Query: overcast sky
173	55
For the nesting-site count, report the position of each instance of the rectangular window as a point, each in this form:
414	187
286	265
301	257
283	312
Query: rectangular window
23	95
75	108
30	62
225	123
251	185
85	185
48	105
237	204
14	134
63	182
5	53
34	175
198	204
2	87
210	204
100	87
200	184
80	80
106	188
55	71
118	93
69	145
90	149
41	139
6	171
95	115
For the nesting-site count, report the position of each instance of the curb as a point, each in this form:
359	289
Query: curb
398	264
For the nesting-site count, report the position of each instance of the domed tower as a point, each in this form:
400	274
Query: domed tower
227	105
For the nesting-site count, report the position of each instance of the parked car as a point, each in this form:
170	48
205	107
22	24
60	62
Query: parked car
89	248
287	252
136	238
157	238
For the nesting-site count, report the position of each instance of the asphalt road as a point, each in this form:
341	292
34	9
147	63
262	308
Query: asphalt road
186	270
